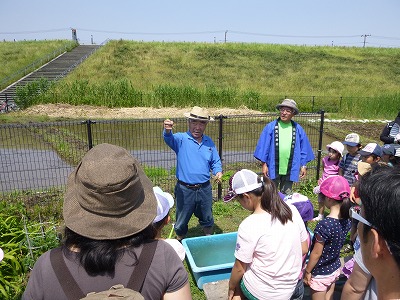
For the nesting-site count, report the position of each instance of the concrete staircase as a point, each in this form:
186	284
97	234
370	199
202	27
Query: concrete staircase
53	70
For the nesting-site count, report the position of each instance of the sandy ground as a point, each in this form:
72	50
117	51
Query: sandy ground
85	111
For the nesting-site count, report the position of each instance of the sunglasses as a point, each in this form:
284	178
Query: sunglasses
355	214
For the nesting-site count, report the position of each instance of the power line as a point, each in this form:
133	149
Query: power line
294	36
36	31
150	33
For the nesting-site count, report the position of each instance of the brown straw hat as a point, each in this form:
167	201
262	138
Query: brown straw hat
108	195
198	113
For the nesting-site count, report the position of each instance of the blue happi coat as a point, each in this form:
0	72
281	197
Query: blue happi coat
268	145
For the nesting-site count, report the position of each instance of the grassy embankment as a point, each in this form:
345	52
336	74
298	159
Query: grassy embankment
352	82
20	58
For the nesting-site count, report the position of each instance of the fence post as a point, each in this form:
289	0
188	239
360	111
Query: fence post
321	132
89	132
220	146
313	102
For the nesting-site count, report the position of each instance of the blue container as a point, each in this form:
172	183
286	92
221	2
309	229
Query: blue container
210	257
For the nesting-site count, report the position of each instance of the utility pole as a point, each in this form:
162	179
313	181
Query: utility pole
226	32
365	38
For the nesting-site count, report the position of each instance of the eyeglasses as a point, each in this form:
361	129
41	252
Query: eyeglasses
356	215
285	109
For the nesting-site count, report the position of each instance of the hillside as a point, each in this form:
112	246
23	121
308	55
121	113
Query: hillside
268	69
354	82
19	58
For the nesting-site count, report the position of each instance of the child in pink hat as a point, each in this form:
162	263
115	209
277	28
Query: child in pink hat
330	165
323	267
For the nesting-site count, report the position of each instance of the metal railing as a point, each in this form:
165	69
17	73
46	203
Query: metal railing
39	156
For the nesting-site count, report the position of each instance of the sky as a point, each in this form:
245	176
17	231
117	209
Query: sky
351	23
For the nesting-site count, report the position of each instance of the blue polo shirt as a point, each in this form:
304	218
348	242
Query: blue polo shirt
194	160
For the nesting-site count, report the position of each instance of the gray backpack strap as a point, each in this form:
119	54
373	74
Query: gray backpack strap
139	273
64	276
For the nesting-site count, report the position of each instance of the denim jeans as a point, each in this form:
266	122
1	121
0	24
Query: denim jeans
193	201
298	291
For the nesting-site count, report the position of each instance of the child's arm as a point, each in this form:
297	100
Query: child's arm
236	275
315	255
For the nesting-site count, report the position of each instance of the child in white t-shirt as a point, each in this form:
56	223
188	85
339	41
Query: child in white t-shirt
270	242
330	165
165	202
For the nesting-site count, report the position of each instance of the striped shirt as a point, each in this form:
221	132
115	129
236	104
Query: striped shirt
349	166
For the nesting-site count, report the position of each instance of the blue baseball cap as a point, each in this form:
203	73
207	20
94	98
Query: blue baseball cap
371	148
388	149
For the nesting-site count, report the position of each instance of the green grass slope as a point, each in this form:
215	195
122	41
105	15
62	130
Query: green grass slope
351	81
16	56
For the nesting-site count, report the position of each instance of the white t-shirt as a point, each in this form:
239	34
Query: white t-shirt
273	254
178	247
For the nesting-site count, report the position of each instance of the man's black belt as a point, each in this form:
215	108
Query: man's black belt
194	186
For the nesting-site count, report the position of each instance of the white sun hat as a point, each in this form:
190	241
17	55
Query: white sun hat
165	202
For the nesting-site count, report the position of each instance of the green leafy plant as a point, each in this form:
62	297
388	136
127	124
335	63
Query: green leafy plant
22	243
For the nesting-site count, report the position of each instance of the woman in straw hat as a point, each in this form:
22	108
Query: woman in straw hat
108	211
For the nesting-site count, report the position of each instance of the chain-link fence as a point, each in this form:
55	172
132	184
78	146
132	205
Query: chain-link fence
39	156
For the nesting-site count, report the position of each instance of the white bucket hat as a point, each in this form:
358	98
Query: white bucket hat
165	202
337	146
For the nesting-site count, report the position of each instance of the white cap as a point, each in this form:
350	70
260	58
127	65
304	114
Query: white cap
337	146
1	254
245	181
165	202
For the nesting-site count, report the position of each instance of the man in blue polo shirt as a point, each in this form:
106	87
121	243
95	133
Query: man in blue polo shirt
196	157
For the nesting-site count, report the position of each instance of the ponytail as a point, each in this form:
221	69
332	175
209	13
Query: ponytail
272	202
344	208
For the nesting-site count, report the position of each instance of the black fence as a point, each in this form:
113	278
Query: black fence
39	156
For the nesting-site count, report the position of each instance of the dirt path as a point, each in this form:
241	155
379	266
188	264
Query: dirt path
85	111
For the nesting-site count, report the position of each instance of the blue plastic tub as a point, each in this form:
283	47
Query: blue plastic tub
211	257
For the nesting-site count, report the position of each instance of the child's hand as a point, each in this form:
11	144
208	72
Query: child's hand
307	278
316	190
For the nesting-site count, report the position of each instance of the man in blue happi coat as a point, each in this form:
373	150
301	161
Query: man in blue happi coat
284	148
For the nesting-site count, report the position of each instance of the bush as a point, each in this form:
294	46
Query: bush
22	242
